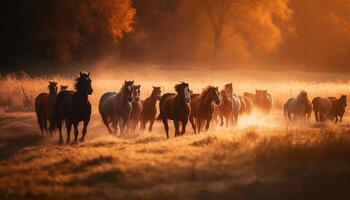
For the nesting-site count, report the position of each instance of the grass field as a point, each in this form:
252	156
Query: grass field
263	157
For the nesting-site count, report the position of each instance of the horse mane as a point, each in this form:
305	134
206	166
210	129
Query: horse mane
303	92
206	91
178	86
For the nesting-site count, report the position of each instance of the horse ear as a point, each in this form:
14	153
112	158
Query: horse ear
132	82
125	81
88	74
217	88
154	87
139	85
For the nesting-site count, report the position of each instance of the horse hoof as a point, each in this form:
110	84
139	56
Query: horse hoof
75	142
81	140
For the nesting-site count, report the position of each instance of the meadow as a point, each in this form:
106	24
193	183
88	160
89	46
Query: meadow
263	157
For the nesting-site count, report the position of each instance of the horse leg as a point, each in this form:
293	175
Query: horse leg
341	118
227	118
192	123
76	132
86	123
184	123
150	125
105	121
68	127
316	115
221	120
59	127
143	124
166	127
45	125
199	125
176	125
208	124
336	119
41	124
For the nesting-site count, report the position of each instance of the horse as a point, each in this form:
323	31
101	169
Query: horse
44	104
263	100
115	107
136	108
149	108
251	97
73	107
338	109
322	108
308	110
202	108
63	88
243	105
236	107
225	108
296	106
176	107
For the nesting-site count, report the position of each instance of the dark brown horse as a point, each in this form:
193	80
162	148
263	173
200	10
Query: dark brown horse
176	107
225	108
149	108
72	107
136	108
44	104
322	108
338	109
263	100
115	107
202	108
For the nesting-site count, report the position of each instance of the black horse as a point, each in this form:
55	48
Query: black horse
176	107
73	107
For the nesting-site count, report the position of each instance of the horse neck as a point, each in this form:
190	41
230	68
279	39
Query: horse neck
82	96
153	98
179	99
206	100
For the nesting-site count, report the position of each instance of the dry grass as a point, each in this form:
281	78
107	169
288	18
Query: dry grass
261	158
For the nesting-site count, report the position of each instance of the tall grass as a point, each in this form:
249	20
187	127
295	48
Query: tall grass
18	91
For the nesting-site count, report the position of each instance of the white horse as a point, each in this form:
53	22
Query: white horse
236	107
296	106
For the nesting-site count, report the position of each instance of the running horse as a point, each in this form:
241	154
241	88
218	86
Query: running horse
202	108
296	107
176	107
72	107
44	104
115	107
136	108
149	108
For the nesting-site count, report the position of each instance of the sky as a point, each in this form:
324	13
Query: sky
267	35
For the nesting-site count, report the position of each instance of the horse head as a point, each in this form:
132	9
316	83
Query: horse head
83	83
343	100
183	90
229	89
128	90
303	98
52	87
216	95
137	93
64	87
213	94
156	92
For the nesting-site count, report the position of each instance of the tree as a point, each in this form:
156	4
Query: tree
61	26
229	18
